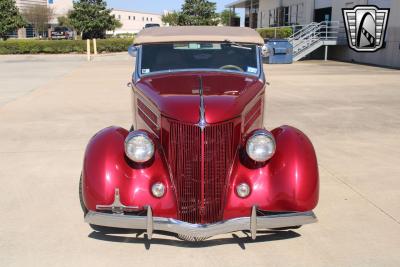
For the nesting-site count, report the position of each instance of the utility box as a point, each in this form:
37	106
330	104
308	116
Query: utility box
280	51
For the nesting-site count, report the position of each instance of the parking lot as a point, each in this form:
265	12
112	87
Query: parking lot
51	106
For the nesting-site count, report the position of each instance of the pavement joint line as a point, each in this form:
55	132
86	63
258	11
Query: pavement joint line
359	193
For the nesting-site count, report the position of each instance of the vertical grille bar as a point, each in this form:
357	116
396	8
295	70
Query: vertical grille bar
200	169
218	159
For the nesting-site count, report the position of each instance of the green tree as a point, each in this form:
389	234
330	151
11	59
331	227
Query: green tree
171	18
92	18
198	12
64	21
226	16
10	18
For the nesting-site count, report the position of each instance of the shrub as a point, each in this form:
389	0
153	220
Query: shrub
125	35
281	33
113	45
17	46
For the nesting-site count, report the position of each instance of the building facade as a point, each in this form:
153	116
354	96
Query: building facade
134	21
60	8
23	5
275	13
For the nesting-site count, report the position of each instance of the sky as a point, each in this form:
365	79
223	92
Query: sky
157	6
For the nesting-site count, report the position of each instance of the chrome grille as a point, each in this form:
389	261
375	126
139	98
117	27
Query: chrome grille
200	162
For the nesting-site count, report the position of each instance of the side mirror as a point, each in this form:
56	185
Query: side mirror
264	51
132	50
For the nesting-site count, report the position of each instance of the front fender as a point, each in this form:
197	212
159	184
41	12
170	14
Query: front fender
106	167
289	181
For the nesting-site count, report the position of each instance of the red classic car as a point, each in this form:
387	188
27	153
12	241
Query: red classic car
198	161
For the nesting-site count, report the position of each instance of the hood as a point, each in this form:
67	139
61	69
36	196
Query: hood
177	95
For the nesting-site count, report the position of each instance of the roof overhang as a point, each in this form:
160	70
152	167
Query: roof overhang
238	4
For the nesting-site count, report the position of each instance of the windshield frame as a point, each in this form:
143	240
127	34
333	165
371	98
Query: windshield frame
258	74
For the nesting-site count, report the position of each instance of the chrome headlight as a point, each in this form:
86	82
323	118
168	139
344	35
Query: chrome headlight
158	189
243	190
261	146
139	147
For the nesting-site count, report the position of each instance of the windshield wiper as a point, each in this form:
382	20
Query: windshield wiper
236	45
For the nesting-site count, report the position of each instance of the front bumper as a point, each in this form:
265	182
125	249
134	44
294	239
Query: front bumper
150	223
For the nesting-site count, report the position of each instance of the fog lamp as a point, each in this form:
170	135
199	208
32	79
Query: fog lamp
158	190
243	190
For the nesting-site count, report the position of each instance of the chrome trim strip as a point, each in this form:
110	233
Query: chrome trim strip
138	63
144	113
202	122
200	230
246	123
148	104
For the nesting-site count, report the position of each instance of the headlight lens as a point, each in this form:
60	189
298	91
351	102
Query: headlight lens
139	147
261	146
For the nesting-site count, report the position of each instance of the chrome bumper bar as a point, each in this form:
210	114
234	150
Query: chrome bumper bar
150	223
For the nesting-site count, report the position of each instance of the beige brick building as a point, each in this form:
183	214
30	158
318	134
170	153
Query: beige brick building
134	21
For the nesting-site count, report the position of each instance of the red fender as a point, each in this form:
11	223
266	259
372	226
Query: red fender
289	181
106	168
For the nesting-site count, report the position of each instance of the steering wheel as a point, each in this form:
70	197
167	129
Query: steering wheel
227	67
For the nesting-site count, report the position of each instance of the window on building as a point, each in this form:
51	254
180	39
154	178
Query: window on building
151	19
279	17
285	11
129	17
143	18
147	19
134	17
119	17
271	18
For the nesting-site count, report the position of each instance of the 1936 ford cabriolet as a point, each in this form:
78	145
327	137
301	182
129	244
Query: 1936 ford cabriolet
198	161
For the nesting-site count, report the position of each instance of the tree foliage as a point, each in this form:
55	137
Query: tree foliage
226	15
198	12
92	18
39	16
171	18
64	21
10	18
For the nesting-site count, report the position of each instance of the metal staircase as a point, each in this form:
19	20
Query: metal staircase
312	36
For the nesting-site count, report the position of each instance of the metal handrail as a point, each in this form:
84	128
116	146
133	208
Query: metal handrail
312	33
303	31
314	27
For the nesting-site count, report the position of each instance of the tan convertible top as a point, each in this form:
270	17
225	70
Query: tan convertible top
198	34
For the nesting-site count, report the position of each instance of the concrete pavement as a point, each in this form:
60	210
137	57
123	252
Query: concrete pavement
23	73
350	112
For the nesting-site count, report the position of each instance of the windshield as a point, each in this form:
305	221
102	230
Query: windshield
191	56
